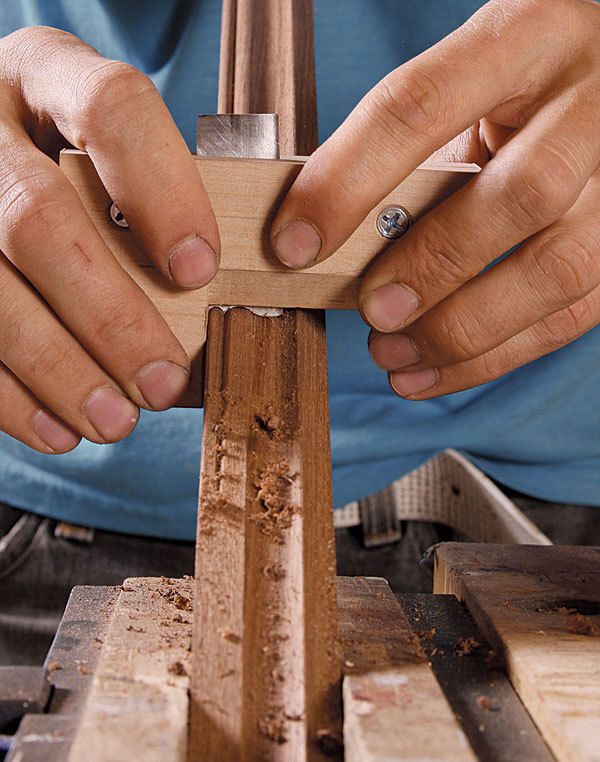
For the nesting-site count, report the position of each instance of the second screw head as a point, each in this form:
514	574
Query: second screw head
393	222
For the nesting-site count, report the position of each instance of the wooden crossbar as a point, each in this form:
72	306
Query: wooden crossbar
245	194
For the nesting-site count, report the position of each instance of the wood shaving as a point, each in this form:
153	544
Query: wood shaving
272	726
178	600
177	668
274	571
582	625
487	703
465	646
227	634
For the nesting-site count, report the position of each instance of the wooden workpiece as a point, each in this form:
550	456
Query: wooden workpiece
539	607
266	668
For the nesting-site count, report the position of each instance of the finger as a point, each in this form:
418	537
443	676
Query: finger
115	113
552	270
414	111
546	336
46	233
24	417
50	362
532	181
468	148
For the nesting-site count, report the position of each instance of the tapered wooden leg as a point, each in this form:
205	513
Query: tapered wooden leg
266	669
265	663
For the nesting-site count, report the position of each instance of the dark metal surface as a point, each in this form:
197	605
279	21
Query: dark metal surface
495	721
70	664
23	690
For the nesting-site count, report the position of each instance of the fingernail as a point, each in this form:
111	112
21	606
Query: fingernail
192	263
407	384
53	433
298	244
162	383
389	307
392	351
110	413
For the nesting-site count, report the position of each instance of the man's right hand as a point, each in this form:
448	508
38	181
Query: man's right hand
81	346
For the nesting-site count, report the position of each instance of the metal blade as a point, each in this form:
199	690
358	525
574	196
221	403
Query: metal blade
248	136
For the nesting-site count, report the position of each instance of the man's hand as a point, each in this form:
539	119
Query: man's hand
81	347
527	74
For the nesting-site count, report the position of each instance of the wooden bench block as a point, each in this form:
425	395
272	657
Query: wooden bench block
539	606
137	705
394	709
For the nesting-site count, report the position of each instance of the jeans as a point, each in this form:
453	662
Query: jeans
38	569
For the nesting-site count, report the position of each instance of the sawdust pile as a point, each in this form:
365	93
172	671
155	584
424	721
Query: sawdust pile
273	494
465	646
579	624
576	623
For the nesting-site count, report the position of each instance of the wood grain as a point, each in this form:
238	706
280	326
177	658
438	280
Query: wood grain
266	669
268	66
137	705
245	194
394	708
265	650
539	606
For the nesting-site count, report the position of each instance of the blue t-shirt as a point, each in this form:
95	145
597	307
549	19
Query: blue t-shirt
536	430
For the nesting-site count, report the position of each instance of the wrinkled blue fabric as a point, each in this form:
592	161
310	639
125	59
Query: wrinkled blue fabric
536	430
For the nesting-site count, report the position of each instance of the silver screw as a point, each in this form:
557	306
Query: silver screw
116	217
393	222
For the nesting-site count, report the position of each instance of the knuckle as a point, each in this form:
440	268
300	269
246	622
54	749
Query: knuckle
567	324
568	267
21	39
52	359
544	189
492	365
439	260
409	100
502	16
29	209
11	331
110	87
456	338
32	46
121	324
